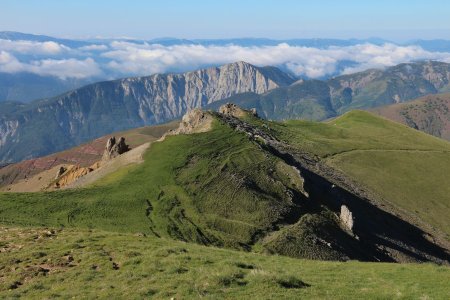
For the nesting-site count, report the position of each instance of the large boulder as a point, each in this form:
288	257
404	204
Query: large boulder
114	149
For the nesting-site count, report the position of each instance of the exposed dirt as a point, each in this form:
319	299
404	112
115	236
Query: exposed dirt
133	156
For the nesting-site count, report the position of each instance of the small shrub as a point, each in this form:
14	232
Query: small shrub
245	266
291	282
150	292
232	279
39	254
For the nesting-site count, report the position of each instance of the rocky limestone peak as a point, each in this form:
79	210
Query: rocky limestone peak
194	121
232	110
114	149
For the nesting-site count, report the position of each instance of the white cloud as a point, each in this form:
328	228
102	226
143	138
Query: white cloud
122	58
93	48
31	47
313	62
9	63
63	68
66	68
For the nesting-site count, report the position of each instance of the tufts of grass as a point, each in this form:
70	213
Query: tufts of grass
211	272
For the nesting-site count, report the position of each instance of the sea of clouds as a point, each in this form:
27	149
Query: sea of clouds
120	58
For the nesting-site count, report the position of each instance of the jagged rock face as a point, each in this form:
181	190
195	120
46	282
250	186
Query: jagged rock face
106	107
7	130
114	149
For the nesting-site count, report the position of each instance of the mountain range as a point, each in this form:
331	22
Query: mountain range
49	125
38	66
432	44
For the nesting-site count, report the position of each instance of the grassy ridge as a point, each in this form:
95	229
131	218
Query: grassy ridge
214	188
404	166
96	264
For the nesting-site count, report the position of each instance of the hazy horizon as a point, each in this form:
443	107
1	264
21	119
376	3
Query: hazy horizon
398	24
397	21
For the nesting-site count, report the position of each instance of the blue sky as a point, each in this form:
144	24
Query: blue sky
392	19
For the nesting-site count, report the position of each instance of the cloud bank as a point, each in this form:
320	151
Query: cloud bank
61	68
122	58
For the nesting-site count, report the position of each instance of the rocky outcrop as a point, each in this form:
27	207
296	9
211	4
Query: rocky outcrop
114	149
61	171
231	109
72	173
195	121
67	175
346	218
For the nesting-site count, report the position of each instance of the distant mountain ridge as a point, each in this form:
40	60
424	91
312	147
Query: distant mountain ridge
46	126
432	44
40	66
319	100
42	127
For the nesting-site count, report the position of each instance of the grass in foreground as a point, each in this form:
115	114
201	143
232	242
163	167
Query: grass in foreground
38	263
